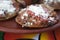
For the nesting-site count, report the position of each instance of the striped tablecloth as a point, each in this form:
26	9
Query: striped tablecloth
51	35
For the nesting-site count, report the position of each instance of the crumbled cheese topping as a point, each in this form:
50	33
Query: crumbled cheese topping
11	10
6	5
25	14
22	17
31	23
34	20
1	12
51	18
27	24
38	10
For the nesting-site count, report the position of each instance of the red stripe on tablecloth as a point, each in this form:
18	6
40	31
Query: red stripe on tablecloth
57	34
12	36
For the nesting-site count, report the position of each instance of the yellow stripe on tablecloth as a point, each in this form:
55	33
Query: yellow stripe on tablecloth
47	36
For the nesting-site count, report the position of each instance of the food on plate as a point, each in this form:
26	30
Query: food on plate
7	9
53	3
38	15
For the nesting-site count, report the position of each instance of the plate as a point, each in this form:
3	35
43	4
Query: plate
12	27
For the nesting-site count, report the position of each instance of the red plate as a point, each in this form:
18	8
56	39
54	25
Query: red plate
11	26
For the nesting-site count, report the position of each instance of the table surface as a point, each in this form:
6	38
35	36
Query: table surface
51	35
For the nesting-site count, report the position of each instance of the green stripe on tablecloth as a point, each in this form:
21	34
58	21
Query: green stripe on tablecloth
1	35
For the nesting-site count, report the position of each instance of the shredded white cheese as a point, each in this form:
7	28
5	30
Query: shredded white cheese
1	12
31	23
38	10
6	5
25	14
22	17
51	18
